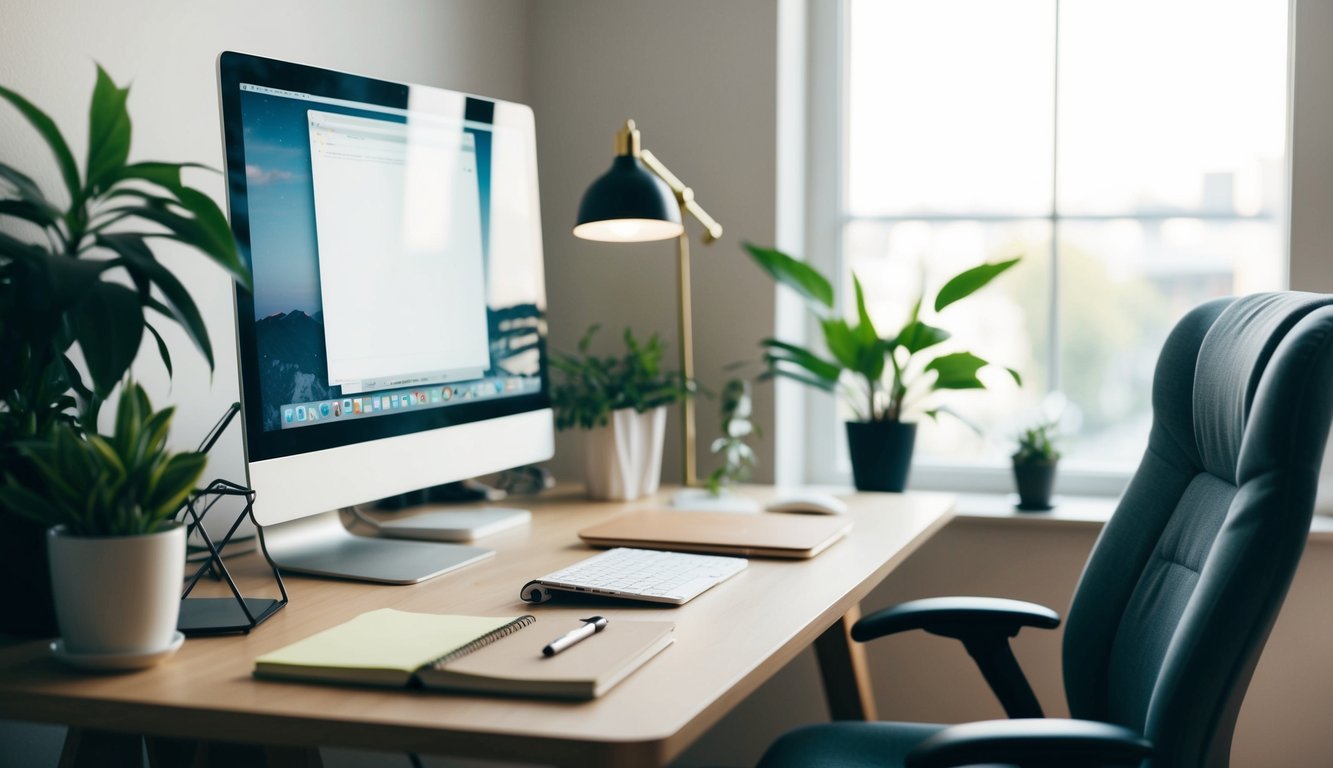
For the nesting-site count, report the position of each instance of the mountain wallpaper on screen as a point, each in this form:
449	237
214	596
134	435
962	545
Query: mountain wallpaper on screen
293	365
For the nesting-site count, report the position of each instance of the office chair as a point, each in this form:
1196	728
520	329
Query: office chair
1179	594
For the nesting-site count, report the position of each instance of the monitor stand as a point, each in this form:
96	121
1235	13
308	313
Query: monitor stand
322	546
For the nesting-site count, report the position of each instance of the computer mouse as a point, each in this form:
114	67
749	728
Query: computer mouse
808	502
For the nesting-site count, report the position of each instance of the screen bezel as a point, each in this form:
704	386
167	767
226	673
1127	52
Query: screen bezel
237	68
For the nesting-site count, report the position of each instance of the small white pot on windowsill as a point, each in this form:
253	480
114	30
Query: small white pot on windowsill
623	460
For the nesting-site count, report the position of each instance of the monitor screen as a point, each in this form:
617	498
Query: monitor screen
394	238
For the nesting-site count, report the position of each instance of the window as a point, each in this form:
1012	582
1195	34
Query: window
1131	152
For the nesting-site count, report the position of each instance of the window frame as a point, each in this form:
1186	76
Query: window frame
825	454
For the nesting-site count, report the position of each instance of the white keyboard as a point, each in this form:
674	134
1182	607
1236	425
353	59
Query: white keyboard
637	574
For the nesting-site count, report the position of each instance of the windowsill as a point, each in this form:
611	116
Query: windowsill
1076	510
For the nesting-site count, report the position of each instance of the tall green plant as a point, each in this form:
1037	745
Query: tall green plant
881	376
591	387
90	277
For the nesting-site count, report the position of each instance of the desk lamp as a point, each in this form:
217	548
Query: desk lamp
639	201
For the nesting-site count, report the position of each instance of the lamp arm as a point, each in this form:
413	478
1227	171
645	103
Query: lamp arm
712	230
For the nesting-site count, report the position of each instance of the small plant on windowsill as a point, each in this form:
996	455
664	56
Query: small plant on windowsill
620	402
1035	463
883	378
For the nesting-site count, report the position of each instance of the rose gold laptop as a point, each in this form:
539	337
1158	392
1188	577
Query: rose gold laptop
722	533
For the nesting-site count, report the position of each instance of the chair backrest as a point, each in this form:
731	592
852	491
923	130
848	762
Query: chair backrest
1182	588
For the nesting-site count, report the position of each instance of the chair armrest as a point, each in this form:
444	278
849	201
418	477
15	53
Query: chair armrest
984	625
956	617
1037	743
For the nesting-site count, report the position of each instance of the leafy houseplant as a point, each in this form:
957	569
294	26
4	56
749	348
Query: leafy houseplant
620	401
1035	463
882	377
84	274
110	502
737	455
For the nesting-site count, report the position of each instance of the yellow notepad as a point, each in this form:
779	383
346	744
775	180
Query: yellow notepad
481	654
383	647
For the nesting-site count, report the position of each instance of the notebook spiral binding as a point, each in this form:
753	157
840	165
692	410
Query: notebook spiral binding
484	640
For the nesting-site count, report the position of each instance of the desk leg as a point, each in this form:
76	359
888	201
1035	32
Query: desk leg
842	664
87	748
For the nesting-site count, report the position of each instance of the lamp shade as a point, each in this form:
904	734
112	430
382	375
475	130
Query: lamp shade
628	204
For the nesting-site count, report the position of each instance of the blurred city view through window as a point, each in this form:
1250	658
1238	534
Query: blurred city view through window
1132	152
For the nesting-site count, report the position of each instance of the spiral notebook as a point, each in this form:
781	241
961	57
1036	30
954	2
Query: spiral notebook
483	654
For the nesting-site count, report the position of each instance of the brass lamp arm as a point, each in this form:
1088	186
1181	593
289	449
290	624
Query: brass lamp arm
685	195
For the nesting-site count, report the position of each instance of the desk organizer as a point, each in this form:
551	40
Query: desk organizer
222	615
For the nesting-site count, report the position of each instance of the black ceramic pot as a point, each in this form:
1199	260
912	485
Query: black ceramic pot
881	453
1035	482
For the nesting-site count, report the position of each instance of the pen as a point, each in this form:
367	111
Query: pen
591	626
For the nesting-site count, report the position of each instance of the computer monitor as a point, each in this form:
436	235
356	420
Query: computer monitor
395	335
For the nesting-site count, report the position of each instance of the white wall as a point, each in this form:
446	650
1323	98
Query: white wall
168	50
699	77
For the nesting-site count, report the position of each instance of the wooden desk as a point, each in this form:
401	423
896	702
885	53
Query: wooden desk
729	640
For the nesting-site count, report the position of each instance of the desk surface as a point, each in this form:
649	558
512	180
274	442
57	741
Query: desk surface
728	641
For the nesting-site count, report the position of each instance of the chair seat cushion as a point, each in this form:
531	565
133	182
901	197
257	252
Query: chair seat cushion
847	745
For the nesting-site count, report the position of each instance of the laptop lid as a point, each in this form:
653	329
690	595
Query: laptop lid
746	535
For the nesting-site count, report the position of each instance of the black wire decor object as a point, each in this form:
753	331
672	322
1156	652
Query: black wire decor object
221	615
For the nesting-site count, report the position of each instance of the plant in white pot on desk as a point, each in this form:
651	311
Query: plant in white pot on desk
117	553
620	403
84	275
882	378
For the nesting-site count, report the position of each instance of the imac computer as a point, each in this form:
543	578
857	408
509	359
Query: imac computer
394	338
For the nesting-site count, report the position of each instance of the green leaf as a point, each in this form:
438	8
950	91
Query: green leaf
48	130
842	342
27	190
174	484
810	381
108	131
108	324
207	231
1018	379
865	330
221	245
803	357
957	371
162	350
794	274
969	281
166	175
917	336
22	209
139	260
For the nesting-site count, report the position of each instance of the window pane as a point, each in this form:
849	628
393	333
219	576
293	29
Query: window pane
1172	107
1005	322
950	106
1123	285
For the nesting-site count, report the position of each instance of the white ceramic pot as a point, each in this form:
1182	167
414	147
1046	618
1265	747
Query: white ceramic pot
117	594
623	460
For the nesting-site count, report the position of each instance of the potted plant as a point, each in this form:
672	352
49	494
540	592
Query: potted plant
620	402
117	554
883	378
737	457
85	276
1035	463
